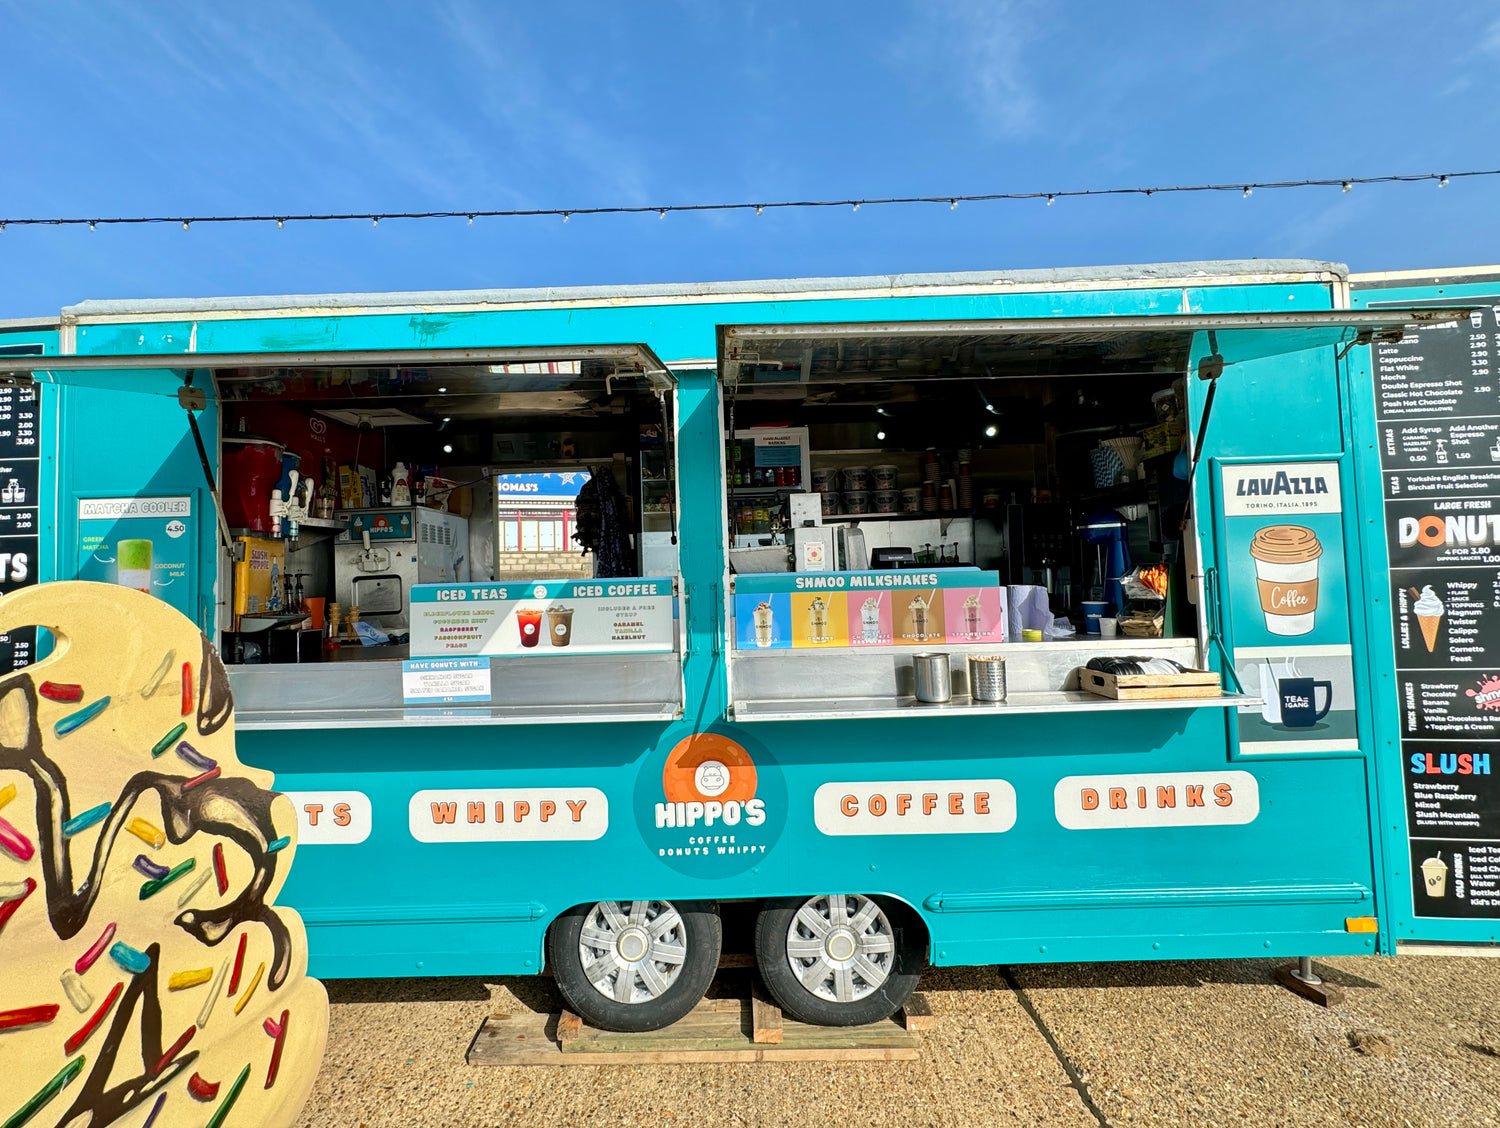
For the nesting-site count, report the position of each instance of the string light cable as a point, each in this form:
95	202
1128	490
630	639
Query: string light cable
1244	187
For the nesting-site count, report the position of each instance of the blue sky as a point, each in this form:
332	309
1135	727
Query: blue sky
114	109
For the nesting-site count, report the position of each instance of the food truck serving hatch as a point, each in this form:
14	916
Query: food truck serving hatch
1045	346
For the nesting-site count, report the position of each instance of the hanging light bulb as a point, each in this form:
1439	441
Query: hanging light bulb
185	225
374	221
1443	181
856	205
91	225
1248	190
280	224
471	221
567	216
759	208
1347	185
953	205
1051	199
662	214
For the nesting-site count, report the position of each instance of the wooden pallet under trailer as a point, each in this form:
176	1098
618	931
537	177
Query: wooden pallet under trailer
719	1030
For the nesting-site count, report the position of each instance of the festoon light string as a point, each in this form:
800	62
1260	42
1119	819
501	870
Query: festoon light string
1244	187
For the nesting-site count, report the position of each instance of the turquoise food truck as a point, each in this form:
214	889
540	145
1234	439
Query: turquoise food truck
950	619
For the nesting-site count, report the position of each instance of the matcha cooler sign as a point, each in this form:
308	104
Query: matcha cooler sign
145	543
542	618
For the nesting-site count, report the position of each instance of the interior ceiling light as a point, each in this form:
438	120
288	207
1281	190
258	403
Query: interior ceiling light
991	431
880	435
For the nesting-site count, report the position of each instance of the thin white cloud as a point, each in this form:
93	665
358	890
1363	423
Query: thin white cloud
978	50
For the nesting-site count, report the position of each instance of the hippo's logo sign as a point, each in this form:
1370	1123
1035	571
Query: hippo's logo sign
713	809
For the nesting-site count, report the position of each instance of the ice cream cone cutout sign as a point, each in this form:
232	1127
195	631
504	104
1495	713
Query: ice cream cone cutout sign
148	977
1428	609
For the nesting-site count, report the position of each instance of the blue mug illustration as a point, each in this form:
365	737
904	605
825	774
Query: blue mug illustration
1299	701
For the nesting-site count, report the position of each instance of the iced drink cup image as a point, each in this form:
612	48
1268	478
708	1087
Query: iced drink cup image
869	619
763	628
973	620
529	623
133	564
1286	571
918	608
817	619
1435	876
560	625
1428	609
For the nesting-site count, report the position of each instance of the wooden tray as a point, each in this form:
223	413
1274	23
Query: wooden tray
1150	687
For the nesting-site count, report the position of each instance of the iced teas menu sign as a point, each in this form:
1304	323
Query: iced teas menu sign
543	618
20	411
1437	397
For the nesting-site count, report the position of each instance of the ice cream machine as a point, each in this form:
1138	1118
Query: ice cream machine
385	551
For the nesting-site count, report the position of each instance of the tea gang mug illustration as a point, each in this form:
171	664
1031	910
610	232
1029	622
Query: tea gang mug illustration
1298	701
1286	572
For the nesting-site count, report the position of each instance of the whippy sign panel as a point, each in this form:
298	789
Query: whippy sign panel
149	976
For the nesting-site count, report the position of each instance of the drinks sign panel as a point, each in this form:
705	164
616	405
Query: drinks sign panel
543	618
1288	596
1437	408
146	543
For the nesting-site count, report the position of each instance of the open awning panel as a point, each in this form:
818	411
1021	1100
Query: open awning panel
582	369
1019	348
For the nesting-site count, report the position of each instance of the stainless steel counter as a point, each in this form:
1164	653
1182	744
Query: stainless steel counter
844	683
578	689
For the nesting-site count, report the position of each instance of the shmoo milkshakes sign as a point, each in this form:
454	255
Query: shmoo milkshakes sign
1287	590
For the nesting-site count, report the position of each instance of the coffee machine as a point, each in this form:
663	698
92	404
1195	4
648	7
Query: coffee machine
383	552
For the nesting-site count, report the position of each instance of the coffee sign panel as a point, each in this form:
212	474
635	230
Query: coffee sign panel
1283	558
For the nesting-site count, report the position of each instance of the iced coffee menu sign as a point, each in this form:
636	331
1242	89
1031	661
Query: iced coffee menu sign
1287	588
543	618
788	610
1437	396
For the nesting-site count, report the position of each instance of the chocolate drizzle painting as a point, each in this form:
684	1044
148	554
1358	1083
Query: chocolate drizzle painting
134	848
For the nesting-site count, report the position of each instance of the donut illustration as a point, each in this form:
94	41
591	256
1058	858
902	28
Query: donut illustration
705	766
149	976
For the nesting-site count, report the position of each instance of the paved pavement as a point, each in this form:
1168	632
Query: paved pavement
1416	1045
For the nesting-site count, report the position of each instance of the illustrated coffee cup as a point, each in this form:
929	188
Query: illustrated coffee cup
763	625
1435	876
560	625
529	623
1298	698
1286	571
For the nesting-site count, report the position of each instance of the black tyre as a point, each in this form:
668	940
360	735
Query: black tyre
840	959
635	965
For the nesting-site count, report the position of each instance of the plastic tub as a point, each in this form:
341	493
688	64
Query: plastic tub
886	501
856	501
856	478
883	477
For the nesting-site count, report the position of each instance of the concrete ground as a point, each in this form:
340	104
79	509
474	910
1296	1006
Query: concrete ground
1416	1045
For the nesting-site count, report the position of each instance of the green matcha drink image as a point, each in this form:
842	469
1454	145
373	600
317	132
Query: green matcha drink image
133	564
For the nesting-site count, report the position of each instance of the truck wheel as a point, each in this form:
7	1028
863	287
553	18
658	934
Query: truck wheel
839	959
635	965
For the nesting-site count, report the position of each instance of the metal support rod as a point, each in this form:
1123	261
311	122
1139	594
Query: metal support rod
1305	971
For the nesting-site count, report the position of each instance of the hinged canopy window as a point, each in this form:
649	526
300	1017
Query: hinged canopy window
1014	348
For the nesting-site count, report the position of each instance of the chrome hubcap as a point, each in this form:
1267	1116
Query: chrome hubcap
841	947
633	951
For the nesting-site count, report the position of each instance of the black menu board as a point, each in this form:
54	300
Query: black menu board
1437	397
20	419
